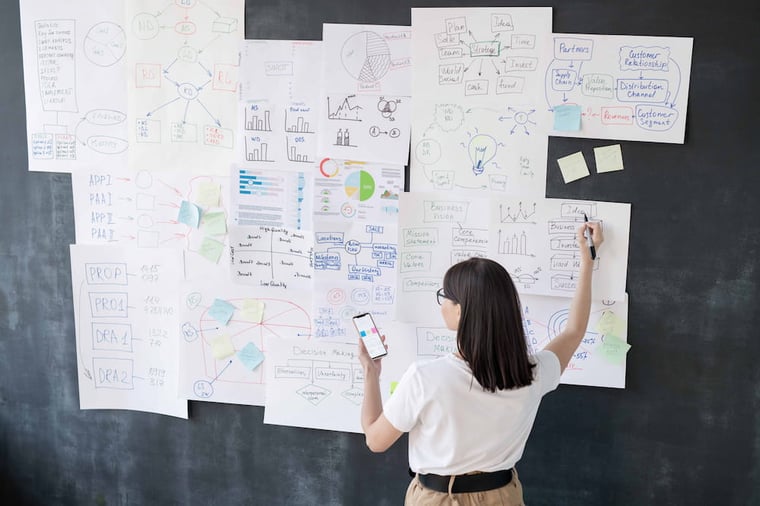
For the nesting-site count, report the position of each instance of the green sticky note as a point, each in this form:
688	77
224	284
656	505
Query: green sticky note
208	195
253	310
222	347
567	118
214	223
211	249
608	158
394	384
614	349
611	324
189	214
573	167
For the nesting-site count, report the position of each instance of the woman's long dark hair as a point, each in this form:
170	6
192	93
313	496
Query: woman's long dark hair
490	336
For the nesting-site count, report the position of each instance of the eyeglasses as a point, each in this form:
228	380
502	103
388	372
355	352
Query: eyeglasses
439	296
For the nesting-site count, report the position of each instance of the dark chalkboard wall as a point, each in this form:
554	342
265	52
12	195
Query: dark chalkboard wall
686	430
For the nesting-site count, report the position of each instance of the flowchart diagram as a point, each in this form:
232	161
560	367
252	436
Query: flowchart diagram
536	241
154	210
226	339
630	88
126	321
479	54
183	83
479	148
76	99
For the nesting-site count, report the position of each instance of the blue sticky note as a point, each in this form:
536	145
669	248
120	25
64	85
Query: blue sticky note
189	214
567	118
221	311
250	356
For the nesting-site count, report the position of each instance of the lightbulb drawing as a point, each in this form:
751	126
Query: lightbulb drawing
482	149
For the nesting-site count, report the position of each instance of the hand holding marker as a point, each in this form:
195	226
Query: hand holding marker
589	240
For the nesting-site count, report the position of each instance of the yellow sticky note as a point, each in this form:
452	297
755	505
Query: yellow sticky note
253	310
211	249
208	195
608	158
614	349
611	324
573	167
214	223
222	347
394	384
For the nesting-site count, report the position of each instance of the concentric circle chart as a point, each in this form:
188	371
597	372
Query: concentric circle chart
366	56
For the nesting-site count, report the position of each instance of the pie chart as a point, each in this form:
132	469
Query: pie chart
360	185
366	56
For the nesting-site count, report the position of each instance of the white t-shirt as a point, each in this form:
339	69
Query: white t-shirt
455	426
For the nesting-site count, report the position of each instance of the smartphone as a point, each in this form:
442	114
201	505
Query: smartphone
367	329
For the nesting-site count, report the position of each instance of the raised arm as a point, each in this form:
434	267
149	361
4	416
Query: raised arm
565	344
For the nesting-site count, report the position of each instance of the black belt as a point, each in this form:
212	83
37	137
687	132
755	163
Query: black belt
464	483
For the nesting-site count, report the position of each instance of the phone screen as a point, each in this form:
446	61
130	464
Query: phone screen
367	329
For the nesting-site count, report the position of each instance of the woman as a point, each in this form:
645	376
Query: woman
469	414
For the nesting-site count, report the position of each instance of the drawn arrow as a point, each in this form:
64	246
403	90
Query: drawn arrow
220	372
161	106
218	123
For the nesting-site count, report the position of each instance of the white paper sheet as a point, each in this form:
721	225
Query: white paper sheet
75	84
260	317
535	240
275	198
499	148
125	310
490	55
436	230
629	88
272	256
282	71
143	209
183	84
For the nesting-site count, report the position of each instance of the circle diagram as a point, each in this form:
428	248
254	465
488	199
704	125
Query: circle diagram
105	44
360	185
366	56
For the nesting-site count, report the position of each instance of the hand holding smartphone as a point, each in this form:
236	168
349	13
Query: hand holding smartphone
369	335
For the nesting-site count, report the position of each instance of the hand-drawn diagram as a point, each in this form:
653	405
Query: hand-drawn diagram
273	198
355	266
536	241
437	230
316	385
280	71
215	361
360	127
360	191
183	83
480	53
631	88
499	149
144	209
545	317
283	136
126	333
76	98
367	59
272	256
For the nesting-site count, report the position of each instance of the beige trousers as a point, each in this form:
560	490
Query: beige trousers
508	495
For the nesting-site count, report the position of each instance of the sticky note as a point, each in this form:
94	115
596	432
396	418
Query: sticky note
221	311
614	349
222	347
610	324
208	195
394	384
252	310
573	167
211	249
250	356
608	158
189	214
214	223
567	118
